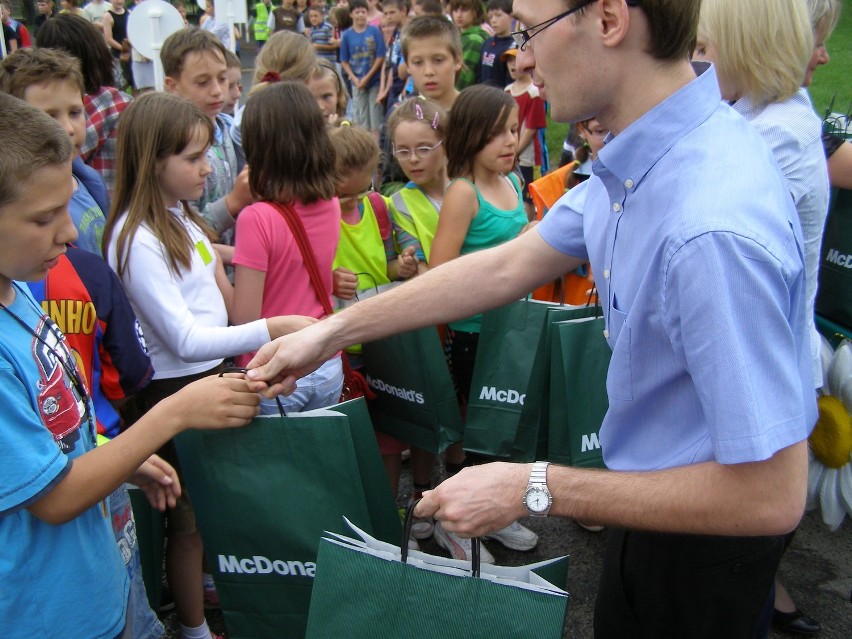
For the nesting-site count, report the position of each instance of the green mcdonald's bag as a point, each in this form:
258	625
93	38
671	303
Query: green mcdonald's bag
415	398
578	401
502	375
834	295
366	589
263	496
531	440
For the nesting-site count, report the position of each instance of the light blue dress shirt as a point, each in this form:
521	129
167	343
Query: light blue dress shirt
697	254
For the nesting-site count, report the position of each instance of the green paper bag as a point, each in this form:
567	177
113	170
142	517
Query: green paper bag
834	295
364	591
531	440
578	401
263	495
415	398
504	371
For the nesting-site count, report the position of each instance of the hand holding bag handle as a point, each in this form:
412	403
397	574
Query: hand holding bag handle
406	535
354	384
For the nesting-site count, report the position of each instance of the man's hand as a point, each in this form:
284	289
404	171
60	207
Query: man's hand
277	365
159	481
479	499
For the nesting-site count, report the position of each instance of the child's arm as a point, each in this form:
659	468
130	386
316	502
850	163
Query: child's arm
344	283
213	402
225	286
458	209
248	294
526	138
365	81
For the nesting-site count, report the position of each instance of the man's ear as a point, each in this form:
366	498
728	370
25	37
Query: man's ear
613	20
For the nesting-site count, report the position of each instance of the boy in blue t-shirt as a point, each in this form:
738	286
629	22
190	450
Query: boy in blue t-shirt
321	35
492	67
362	52
58	546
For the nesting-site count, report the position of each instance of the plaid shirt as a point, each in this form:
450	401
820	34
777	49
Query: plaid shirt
472	40
102	112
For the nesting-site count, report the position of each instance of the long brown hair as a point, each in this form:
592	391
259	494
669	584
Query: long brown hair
153	128
477	116
287	146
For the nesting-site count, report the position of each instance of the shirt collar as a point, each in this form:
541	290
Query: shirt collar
632	153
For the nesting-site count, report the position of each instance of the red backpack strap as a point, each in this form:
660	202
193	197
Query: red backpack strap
380	209
300	235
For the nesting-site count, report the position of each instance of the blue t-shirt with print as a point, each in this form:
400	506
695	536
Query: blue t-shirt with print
88	219
54	573
360	50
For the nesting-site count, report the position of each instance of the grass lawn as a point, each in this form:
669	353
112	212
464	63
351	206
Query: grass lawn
831	82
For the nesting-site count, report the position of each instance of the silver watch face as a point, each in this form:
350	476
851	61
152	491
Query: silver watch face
537	499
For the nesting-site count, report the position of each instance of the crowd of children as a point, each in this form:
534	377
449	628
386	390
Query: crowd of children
394	136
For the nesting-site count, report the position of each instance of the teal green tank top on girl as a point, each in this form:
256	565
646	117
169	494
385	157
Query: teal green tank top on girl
490	226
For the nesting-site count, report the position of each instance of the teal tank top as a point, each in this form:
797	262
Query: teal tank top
491	226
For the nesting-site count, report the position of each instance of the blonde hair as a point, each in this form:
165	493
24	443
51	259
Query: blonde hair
355	149
153	128
324	69
288	54
825	14
763	46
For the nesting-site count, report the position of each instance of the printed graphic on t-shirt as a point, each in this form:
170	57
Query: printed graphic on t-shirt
61	406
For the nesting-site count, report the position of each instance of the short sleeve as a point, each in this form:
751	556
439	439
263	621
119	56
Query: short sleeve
254	241
562	227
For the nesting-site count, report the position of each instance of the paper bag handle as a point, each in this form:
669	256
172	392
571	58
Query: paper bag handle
237	369
406	534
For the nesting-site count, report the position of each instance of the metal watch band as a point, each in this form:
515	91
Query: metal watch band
538	474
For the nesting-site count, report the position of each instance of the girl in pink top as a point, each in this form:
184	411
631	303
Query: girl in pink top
292	162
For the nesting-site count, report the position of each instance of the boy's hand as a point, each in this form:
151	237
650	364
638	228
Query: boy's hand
212	402
240	196
345	283
285	324
407	264
159	481
225	253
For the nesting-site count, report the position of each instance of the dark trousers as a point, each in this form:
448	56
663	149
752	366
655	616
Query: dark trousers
657	585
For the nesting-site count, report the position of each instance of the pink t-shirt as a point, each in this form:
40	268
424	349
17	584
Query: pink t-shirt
264	243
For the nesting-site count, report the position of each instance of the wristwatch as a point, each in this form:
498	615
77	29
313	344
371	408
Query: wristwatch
537	497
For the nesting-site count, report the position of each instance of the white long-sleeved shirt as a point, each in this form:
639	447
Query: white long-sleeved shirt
183	316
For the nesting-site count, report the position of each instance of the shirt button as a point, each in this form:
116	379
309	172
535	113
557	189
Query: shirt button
616	207
606	334
606	273
628	183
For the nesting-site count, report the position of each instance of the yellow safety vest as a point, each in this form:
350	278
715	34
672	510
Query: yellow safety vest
261	22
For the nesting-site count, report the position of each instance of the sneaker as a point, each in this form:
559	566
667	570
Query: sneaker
422	527
458	547
211	597
515	536
595	528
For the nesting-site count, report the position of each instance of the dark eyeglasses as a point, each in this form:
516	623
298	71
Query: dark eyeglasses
525	35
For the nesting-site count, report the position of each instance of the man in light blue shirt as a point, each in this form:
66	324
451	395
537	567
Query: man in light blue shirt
698	259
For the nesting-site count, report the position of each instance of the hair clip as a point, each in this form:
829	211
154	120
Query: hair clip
345	123
435	122
418	112
271	76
